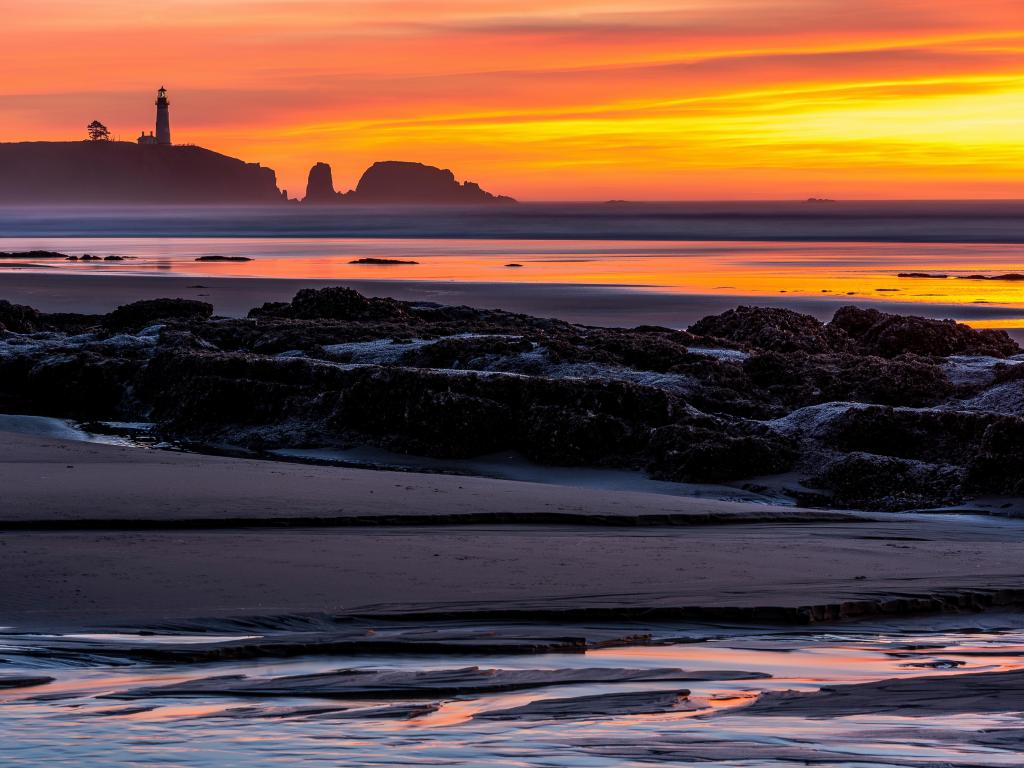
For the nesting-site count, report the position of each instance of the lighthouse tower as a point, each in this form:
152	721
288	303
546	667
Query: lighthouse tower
163	117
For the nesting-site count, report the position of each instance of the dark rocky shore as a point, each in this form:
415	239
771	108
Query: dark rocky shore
869	411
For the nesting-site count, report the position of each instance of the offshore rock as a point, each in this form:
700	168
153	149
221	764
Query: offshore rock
320	185
398	182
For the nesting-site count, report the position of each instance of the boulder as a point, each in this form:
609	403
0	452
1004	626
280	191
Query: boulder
711	453
139	314
885	335
320	185
18	318
398	182
771	328
798	379
333	304
884	483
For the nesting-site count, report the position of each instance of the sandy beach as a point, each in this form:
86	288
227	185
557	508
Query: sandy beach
132	536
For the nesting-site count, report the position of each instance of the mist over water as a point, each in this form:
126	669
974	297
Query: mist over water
977	221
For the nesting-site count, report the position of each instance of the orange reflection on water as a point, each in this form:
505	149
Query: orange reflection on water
856	270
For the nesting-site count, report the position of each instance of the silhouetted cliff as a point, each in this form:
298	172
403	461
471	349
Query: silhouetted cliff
398	183
119	172
320	185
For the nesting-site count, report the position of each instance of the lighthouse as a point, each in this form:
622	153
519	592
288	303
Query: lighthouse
163	117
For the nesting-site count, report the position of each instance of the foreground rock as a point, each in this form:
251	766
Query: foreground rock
870	411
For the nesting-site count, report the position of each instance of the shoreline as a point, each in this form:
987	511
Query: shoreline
601	305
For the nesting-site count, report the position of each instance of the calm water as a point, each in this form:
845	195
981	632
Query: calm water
851	271
78	720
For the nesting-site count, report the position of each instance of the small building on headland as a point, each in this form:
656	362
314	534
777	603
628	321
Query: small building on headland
162	135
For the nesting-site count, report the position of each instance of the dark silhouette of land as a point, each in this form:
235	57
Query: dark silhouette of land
395	182
98	172
320	185
116	172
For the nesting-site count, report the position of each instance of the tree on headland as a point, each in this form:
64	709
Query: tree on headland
98	131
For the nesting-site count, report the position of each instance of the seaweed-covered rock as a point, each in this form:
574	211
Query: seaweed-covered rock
933	435
799	379
333	304
864	406
18	318
704	453
884	483
886	335
997	466
771	328
139	314
472	352
86	384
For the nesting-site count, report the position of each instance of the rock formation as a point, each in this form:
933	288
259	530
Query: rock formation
320	185
869	411
400	182
100	172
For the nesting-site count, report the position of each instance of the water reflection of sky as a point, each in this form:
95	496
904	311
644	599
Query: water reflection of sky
71	721
864	270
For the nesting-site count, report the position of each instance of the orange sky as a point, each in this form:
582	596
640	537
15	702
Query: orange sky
550	99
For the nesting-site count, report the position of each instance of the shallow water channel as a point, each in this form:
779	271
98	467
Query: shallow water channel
99	711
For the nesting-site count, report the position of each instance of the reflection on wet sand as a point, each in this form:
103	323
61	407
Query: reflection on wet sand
857	270
712	725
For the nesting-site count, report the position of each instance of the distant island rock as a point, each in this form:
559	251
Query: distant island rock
320	185
104	172
32	255
223	258
118	172
1012	277
381	262
399	183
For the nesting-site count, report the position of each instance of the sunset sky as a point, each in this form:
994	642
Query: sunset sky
550	99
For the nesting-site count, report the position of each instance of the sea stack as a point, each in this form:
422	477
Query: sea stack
415	183
320	185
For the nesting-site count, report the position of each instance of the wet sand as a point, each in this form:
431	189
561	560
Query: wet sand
599	305
156	558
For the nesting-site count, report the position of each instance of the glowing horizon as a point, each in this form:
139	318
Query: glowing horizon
555	100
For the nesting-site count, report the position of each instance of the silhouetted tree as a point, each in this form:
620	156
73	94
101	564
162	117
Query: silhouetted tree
98	131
